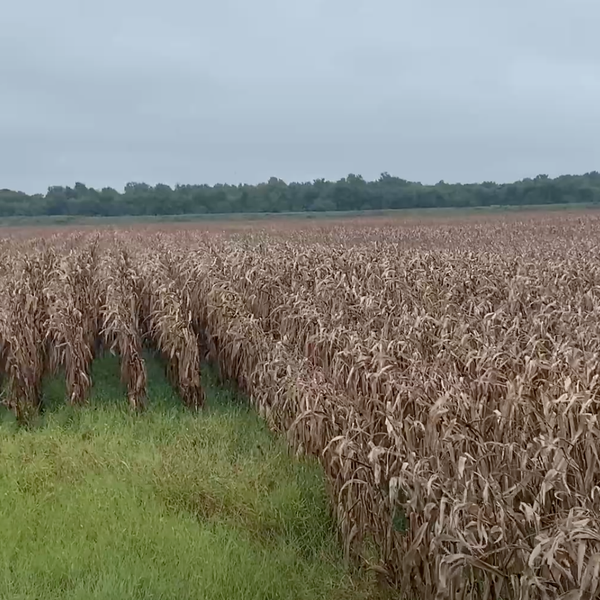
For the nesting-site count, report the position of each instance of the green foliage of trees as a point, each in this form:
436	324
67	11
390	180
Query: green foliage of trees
350	193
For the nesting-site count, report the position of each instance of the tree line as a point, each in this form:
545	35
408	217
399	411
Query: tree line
352	193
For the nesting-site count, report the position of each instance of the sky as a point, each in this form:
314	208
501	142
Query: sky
237	91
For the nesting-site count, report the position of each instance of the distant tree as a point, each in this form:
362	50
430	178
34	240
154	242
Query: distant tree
349	193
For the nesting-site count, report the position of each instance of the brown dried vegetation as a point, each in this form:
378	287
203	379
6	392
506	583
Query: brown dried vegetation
120	313
446	375
73	326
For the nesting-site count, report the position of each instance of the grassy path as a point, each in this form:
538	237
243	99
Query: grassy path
97	503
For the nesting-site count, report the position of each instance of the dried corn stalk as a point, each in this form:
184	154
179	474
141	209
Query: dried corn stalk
169	318
24	322
74	318
120	315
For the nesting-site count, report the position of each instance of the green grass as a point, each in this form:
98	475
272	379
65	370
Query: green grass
99	503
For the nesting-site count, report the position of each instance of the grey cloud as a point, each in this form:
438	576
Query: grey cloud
197	91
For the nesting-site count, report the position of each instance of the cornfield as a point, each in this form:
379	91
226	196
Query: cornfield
446	375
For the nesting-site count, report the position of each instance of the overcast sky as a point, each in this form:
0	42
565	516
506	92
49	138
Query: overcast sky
198	91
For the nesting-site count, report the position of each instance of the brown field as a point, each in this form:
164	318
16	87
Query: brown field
446	373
